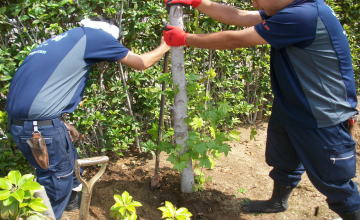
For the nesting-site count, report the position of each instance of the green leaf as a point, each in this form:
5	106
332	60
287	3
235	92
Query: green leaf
38	205
125	196
183	212
18	195
117	198
31	185
205	162
234	135
212	132
5	78
166	213
23	204
197	123
131	209
9	201
201	148
5	184
122	211
211	73
4	194
169	211
25	178
133	216
28	194
14	176
124	207
253	133
136	204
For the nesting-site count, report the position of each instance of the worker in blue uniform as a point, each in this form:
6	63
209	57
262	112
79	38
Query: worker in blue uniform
49	83
314	94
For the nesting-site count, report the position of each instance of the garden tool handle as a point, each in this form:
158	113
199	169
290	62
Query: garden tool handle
92	161
103	160
88	185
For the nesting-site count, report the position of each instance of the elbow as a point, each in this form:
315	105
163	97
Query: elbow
143	64
234	42
140	66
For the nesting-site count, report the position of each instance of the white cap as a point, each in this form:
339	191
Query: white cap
109	28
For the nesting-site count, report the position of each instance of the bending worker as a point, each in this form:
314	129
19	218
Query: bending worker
314	94
49	83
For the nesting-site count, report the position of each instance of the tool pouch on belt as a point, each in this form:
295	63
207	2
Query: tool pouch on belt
73	132
39	150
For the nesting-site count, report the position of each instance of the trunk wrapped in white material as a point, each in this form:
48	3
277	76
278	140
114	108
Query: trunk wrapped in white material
180	103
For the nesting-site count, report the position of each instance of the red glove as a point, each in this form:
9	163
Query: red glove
174	36
194	3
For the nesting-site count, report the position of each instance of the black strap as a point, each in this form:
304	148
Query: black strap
40	123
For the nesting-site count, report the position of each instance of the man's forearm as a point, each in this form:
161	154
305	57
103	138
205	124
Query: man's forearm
225	39
151	57
219	40
145	60
229	15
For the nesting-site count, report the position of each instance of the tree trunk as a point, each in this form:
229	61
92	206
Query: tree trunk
207	85
180	103
155	181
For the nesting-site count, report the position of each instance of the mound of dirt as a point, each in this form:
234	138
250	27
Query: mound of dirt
240	176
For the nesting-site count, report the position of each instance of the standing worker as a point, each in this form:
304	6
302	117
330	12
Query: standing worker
49	83
314	94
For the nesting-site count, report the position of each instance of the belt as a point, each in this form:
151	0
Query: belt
40	123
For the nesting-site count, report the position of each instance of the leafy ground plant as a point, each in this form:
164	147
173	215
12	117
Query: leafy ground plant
17	197
170	212
124	207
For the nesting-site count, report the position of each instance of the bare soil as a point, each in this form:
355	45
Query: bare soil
240	176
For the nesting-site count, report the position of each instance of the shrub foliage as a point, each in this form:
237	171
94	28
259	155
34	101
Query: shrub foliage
121	105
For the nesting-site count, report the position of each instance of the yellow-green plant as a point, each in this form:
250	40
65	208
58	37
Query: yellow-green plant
170	212
124	207
17	197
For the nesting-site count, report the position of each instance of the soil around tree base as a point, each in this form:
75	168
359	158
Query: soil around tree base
237	178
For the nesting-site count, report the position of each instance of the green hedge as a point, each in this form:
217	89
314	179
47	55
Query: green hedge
239	77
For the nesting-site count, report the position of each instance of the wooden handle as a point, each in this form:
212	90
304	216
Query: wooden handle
92	161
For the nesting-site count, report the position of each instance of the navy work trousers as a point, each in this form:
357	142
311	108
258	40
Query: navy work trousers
326	154
59	179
